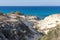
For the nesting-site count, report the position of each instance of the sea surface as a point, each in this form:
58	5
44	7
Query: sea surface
40	11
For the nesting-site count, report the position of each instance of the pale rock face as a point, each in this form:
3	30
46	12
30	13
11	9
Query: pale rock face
22	16
13	20
46	31
48	22
32	19
12	16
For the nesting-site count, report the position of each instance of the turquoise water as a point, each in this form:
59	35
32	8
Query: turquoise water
40	11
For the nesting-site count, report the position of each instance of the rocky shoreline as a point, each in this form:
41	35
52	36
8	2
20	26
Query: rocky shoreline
16	26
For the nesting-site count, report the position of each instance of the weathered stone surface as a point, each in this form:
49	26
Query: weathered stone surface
12	28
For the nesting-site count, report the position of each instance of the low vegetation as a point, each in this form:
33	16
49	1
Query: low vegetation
52	35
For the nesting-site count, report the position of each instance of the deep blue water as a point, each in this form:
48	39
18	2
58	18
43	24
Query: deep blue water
40	11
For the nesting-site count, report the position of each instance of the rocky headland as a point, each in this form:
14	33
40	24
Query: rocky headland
16	26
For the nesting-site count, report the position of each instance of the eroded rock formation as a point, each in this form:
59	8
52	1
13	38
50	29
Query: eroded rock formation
13	28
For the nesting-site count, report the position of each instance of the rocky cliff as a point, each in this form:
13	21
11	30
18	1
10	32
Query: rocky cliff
16	26
13	28
48	23
50	26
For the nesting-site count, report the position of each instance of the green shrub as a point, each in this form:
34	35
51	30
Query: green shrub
52	35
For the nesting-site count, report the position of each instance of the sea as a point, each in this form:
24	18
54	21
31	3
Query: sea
39	11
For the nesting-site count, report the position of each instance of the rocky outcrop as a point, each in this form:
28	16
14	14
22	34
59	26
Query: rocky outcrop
16	26
13	28
48	23
49	26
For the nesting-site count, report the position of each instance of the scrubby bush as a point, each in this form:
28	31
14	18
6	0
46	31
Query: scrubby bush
52	35
18	13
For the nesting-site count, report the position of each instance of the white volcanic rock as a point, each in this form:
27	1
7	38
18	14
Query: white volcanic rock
47	23
33	19
13	20
22	16
12	15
